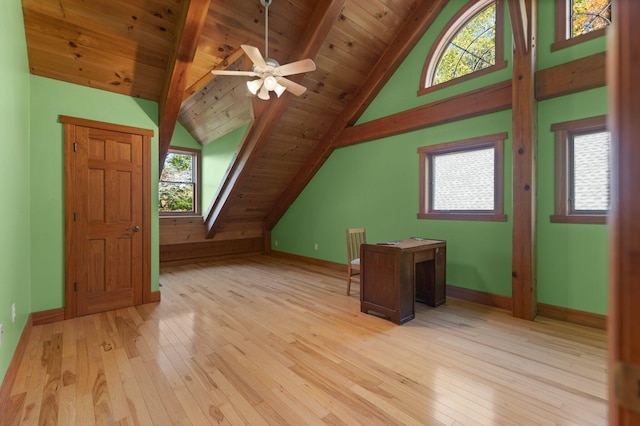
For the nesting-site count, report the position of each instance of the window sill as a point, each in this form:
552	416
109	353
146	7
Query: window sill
498	66
585	219
562	44
488	217
180	216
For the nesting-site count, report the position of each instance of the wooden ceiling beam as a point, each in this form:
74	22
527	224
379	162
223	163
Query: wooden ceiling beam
411	32
323	18
188	32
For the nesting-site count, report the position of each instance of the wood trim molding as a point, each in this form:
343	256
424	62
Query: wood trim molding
480	297
146	219
573	316
12	371
70	124
559	313
47	317
201	251
154	297
65	119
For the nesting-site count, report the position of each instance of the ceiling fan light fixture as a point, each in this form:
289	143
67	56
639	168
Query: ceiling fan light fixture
270	83
279	89
254	86
264	93
271	74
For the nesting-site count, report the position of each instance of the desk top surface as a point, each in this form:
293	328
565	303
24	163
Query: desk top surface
413	242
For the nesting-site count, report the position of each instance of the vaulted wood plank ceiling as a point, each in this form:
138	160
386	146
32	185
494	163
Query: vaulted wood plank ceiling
164	50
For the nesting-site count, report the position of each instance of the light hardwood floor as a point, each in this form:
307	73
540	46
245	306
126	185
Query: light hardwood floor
260	340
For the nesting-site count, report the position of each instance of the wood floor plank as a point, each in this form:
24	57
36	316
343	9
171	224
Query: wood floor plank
260	340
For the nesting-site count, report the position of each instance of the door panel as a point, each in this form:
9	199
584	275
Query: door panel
109	211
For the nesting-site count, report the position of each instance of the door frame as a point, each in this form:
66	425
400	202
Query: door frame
70	124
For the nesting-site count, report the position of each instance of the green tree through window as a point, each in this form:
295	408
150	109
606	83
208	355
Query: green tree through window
471	49
589	15
177	187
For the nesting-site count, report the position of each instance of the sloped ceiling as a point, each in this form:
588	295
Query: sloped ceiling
164	50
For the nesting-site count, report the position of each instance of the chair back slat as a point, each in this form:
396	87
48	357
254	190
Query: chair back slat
355	238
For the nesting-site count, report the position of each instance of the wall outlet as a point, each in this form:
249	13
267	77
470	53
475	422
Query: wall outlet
276	243
13	312
315	246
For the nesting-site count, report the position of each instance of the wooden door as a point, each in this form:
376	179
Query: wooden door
623	59
105	210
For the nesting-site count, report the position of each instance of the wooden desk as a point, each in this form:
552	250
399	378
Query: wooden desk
393	276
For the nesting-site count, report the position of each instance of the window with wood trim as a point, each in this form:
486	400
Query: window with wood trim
582	171
580	20
179	186
463	179
470	45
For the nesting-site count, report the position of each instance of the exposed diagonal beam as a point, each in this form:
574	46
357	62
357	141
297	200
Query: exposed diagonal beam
323	18
484	100
194	14
520	24
422	17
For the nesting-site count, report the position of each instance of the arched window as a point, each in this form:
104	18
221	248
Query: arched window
470	45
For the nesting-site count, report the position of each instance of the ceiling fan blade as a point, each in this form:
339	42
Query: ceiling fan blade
293	87
254	54
304	65
225	72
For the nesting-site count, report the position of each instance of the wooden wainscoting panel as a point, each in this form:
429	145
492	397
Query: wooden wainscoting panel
175	230
201	251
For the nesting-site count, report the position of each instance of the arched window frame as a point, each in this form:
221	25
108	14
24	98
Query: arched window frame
459	21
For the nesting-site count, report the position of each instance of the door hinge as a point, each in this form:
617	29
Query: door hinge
75	286
75	146
75	216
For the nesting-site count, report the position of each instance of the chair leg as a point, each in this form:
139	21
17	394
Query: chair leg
349	286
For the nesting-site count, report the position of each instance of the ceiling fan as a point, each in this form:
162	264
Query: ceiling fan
271	74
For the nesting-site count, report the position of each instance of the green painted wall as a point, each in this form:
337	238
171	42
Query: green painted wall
375	185
183	139
216	157
572	258
400	93
15	265
50	99
546	37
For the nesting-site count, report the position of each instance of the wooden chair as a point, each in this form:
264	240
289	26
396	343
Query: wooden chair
355	237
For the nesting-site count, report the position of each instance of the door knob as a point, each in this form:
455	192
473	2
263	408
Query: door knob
136	228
